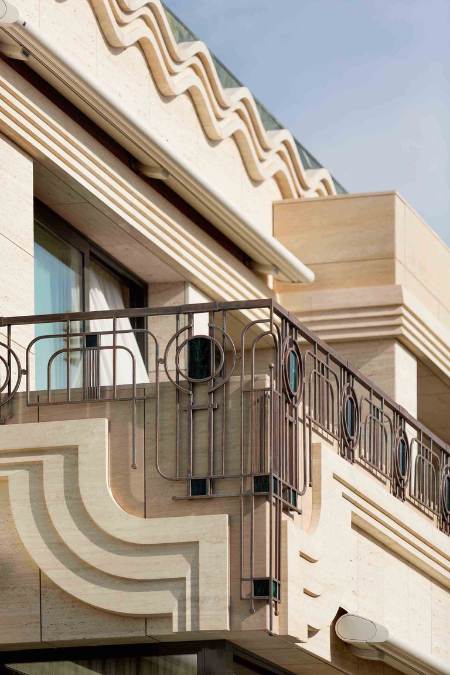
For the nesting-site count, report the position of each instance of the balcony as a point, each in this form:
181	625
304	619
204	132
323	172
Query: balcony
227	407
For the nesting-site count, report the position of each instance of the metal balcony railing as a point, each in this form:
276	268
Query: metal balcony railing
248	389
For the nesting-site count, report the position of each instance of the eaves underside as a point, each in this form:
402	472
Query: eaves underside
94	99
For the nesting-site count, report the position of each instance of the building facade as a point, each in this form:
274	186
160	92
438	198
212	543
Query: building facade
225	382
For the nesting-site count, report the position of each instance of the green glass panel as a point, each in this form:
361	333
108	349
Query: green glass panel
350	417
402	457
261	588
293	371
199	487
275	589
275	485
57	288
199	358
261	484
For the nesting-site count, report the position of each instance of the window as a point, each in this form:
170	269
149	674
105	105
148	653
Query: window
58	286
177	664
72	275
132	659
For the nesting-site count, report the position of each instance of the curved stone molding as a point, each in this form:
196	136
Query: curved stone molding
232	112
77	534
376	312
321	557
25	119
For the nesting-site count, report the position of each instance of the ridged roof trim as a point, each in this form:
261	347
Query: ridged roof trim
178	68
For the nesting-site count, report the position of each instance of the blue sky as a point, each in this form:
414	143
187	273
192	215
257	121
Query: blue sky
363	84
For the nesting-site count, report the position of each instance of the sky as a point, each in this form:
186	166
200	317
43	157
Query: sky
363	84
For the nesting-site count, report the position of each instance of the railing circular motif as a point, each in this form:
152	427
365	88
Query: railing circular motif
351	419
216	349
445	492
293	371
10	376
402	457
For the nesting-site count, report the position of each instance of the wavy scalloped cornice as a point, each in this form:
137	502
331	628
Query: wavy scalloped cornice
188	67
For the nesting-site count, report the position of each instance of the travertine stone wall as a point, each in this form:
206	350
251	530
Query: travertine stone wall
364	241
107	574
20	619
16	239
433	403
142	492
151	574
389	364
422	262
394	593
72	27
381	295
16	230
368	553
113	206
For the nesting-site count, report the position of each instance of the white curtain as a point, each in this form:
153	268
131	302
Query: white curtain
105	293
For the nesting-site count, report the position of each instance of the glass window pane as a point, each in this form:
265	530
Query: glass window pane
176	664
199	358
58	288
179	664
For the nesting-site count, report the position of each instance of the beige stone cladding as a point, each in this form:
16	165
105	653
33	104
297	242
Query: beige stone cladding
94	550
75	532
80	566
16	239
175	91
103	198
367	553
381	294
144	494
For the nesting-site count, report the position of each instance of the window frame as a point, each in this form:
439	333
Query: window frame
57	226
213	656
50	220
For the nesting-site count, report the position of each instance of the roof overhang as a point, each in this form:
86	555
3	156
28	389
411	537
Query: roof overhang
20	39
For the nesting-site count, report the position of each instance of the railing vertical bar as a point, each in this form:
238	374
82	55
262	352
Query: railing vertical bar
212	359
274	430
177	404
68	382
224	391
190	409
133	423
114	355
9	361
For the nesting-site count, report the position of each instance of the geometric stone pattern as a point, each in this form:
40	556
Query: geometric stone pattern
85	543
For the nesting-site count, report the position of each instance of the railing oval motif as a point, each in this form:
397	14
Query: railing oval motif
445	493
10	377
402	458
293	371
351	418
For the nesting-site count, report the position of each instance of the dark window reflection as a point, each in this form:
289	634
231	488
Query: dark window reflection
179	664
199	358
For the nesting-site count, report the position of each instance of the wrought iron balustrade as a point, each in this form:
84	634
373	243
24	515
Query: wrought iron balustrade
248	389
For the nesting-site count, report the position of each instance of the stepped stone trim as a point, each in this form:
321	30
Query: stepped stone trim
81	539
